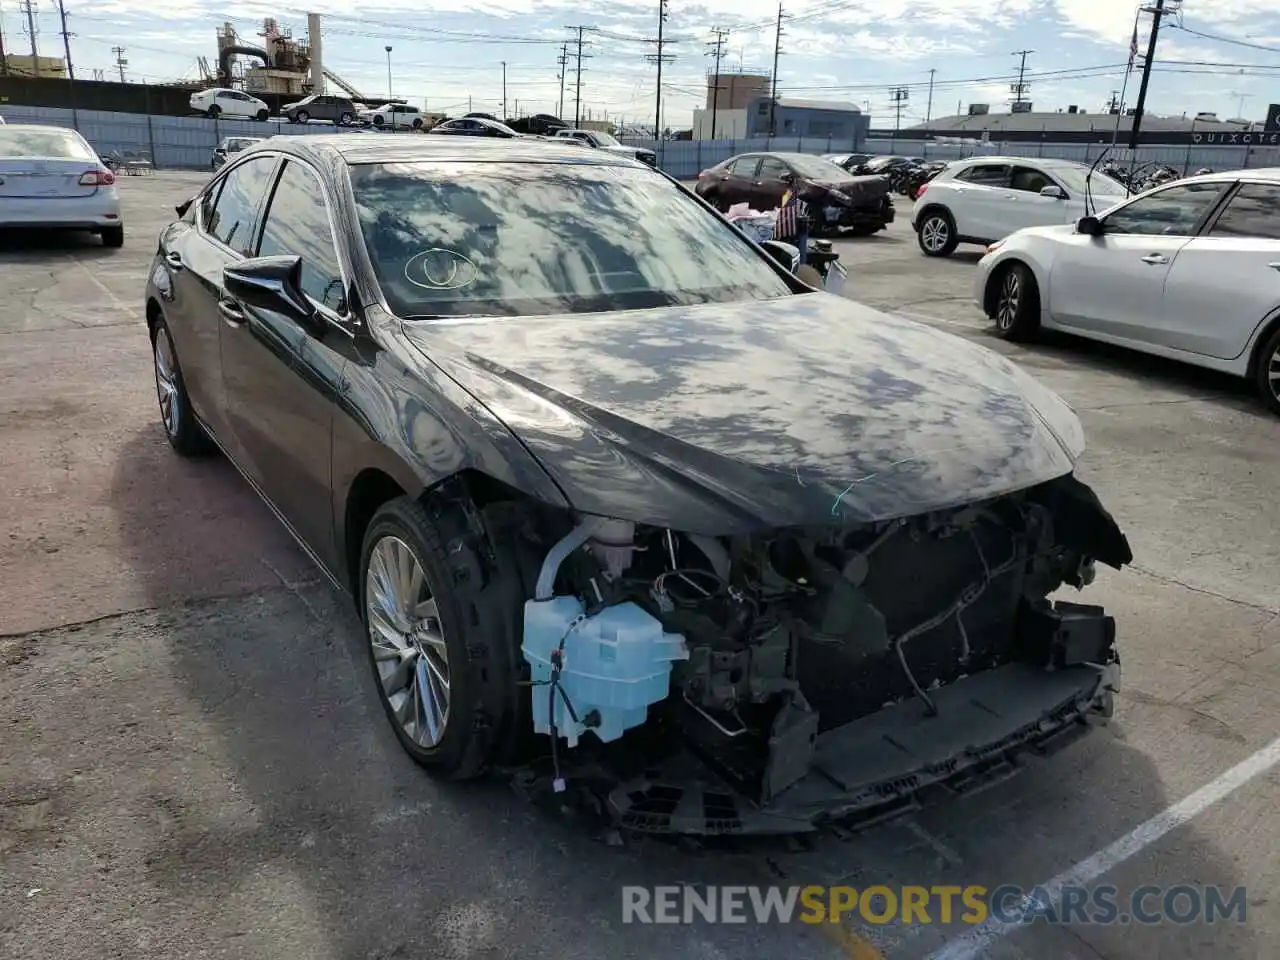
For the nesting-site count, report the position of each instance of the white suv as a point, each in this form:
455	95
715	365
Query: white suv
395	116
222	102
985	199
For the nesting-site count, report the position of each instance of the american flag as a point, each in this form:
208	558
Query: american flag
789	216
1133	46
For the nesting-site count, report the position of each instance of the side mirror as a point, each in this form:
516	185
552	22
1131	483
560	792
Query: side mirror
1089	226
787	256
220	151
1054	192
270	283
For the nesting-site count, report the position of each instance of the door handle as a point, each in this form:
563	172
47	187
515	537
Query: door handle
1155	258
174	259
231	312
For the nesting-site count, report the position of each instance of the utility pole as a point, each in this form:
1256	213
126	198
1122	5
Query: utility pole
898	96
66	40
121	62
389	93
4	63
1113	105
29	8
773	93
577	83
717	51
1156	13
504	91
928	110
659	58
563	61
1021	87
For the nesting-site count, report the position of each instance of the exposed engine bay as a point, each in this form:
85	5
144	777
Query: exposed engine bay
794	675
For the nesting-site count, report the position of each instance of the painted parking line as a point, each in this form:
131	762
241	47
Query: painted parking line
975	942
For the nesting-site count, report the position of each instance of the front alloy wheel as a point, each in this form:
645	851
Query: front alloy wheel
1008	300
1267	373
936	236
407	640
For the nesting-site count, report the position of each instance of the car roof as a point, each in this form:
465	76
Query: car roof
355	149
46	127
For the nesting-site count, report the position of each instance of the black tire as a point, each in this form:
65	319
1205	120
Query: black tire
377	120
262	116
865	229
214	112
417	123
112	236
1013	302
346	120
302	116
936	233
181	429
1266	367
475	657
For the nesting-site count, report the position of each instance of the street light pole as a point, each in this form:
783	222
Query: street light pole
504	91
388	48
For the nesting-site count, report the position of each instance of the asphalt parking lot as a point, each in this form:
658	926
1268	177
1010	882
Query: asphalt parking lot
193	763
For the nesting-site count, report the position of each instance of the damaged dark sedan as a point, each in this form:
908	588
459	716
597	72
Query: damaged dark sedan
619	499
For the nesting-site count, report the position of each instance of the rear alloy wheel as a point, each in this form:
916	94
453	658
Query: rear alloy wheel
302	116
417	123
377	120
937	234
214	112
1267	372
346	120
112	236
417	641
1016	310
184	433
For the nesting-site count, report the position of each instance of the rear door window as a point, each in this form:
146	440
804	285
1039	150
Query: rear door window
985	174
234	217
1254	212
743	166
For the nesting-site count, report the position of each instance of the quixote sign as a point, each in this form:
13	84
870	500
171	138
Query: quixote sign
1273	119
1245	138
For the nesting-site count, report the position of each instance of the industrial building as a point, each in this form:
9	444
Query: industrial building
25	65
1073	125
740	106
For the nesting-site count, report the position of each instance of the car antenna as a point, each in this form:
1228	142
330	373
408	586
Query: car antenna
1089	208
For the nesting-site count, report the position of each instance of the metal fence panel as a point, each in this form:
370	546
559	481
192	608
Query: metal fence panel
188	142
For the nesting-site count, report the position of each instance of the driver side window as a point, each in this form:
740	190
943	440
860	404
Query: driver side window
1173	212
772	168
297	224
1029	180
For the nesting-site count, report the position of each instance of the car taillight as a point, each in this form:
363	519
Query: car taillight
920	192
97	178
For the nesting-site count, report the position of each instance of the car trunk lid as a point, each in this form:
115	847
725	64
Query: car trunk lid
45	177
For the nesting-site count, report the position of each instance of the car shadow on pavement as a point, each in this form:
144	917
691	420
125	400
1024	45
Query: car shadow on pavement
1210	386
295	826
37	243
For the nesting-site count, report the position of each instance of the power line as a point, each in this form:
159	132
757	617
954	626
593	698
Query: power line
1211	36
66	40
1157	13
577	83
898	96
773	96
29	8
717	52
1021	87
563	61
659	58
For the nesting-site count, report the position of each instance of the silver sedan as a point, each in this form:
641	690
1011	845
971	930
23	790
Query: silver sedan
50	178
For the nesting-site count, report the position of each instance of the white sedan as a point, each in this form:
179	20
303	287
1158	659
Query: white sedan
50	178
982	199
1188	271
222	102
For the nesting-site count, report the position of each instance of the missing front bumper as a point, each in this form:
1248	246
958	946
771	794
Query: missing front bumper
875	766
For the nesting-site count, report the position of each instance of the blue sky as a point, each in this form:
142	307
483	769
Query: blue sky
449	53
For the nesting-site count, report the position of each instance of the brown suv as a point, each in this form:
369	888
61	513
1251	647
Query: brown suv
339	110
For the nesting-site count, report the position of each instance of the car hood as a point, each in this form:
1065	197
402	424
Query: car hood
727	418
